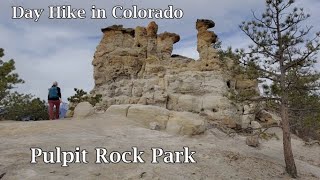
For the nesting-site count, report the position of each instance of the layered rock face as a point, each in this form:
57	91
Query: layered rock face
136	66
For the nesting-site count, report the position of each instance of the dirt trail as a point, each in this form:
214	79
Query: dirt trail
218	156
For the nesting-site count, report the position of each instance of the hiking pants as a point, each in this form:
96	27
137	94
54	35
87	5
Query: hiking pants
53	103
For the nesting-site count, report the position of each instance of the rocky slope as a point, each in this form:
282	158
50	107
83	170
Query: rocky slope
218	156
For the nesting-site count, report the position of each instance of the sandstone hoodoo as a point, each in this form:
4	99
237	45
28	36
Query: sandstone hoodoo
136	66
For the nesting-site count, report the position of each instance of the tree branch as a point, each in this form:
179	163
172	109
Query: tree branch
300	60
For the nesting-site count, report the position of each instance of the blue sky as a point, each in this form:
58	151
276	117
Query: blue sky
62	50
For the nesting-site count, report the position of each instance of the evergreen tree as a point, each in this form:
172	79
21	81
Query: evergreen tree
24	106
7	77
13	105
283	52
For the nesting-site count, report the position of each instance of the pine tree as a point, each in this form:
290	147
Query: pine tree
24	106
283	52
7	78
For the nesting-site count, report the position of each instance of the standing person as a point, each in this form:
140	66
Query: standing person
54	99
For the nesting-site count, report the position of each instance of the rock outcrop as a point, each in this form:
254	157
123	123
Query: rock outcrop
158	118
206	39
136	66
83	110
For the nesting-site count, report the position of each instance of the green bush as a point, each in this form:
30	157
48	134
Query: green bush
82	96
20	106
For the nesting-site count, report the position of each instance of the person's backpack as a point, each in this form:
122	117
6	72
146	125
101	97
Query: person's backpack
53	93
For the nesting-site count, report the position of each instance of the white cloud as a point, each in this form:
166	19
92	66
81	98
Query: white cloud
59	54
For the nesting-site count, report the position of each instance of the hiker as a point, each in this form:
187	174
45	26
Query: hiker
54	99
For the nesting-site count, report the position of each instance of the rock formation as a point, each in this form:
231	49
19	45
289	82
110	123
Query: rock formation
158	118
136	66
206	39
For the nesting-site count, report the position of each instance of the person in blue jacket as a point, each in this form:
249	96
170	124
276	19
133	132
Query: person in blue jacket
54	100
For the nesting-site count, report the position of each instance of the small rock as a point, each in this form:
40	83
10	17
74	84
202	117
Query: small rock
255	125
155	126
229	123
252	141
246	119
233	156
246	109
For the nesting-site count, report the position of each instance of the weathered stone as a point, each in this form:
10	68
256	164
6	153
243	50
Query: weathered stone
255	125
121	110
152	29
118	28
206	39
185	123
252	141
268	118
246	120
136	66
141	39
230	123
204	24
165	43
188	103
83	110
155	126
145	114
249	109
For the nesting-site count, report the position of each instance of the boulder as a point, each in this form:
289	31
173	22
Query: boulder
268	118
83	110
146	114
185	123
121	110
